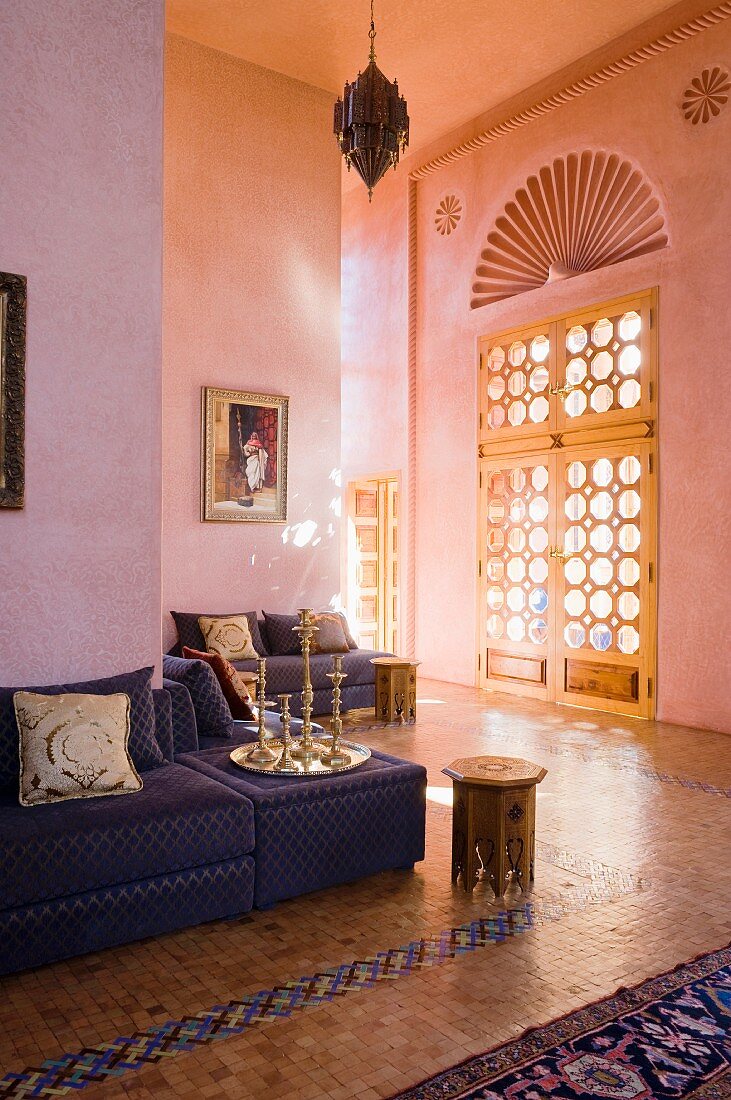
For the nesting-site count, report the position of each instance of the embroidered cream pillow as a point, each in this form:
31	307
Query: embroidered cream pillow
230	637
73	746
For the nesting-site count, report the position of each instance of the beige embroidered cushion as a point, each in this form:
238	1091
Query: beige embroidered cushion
229	636
73	746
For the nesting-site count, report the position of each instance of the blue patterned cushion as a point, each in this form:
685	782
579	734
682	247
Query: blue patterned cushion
185	731
283	641
313	833
190	634
164	722
179	819
142	745
212	712
48	931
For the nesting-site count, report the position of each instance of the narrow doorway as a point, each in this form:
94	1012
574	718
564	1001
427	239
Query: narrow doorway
373	561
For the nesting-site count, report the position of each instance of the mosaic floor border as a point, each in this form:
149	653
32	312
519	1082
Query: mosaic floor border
73	1072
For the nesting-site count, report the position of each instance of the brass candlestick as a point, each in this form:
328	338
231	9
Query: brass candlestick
334	756
285	762
307	749
261	753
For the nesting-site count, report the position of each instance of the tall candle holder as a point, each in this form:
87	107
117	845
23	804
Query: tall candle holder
334	756
306	749
285	762
261	753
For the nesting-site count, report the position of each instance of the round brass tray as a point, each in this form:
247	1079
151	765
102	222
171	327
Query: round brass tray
358	755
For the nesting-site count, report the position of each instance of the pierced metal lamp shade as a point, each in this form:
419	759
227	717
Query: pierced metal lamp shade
371	125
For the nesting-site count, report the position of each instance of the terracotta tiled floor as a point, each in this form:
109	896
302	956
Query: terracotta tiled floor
633	876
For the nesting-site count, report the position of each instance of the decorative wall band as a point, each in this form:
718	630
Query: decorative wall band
579	87
412	456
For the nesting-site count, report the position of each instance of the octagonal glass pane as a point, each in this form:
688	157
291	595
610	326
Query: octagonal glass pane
496	359
575	635
574	540
538	509
601	505
516	571
539	349
538	540
516	413
601	571
629	360
575	403
630	326
629	606
538	379
495	627
516	629
601	636
574	571
538	570
516	354
629	537
575	506
575	602
600	538
628	639
629	572
602	332
601	472
539	478
496	388
601	604
602	366
601	399
495	598
629	393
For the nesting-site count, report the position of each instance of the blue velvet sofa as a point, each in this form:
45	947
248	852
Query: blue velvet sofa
273	639
84	874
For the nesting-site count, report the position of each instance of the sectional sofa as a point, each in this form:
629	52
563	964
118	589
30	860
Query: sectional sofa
202	840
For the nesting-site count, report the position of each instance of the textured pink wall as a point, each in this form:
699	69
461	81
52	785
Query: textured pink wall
637	115
80	215
251	302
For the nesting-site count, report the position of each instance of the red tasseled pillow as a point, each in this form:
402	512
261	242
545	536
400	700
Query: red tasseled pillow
233	687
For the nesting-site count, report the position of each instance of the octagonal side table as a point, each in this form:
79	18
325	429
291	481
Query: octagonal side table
494	819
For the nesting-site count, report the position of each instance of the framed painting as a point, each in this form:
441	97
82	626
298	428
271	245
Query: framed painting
244	464
12	390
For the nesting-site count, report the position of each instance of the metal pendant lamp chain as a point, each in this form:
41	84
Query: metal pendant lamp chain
371	121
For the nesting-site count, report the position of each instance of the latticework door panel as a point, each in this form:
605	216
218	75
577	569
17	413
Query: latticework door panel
604	365
516	378
605	645
567	420
515	608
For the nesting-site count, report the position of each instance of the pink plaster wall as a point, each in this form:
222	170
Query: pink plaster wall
251	302
637	115
80	216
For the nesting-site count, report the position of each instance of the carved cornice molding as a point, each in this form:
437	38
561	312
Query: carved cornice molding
574	90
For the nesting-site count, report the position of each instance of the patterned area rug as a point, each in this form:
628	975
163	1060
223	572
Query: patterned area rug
669	1037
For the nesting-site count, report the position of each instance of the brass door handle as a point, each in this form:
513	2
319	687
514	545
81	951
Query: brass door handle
556	552
561	392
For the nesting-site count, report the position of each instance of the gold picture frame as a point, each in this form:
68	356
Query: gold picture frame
12	390
244	456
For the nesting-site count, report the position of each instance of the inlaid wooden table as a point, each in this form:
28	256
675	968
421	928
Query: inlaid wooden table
395	688
494	819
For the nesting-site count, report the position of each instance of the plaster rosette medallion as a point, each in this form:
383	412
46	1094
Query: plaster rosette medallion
579	213
706	95
448	215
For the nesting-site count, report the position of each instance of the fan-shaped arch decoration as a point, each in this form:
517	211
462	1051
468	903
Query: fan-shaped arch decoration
584	211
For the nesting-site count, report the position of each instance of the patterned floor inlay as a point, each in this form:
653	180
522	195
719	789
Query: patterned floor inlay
73	1072
667	1037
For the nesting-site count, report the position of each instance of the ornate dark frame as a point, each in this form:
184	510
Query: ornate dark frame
12	389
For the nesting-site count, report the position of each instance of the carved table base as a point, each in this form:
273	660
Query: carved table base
494	820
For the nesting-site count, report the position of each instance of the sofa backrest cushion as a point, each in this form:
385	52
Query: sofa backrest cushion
142	745
191	635
185	731
212	713
283	642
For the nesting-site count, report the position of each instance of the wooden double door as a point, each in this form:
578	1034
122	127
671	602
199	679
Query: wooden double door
567	535
373	562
